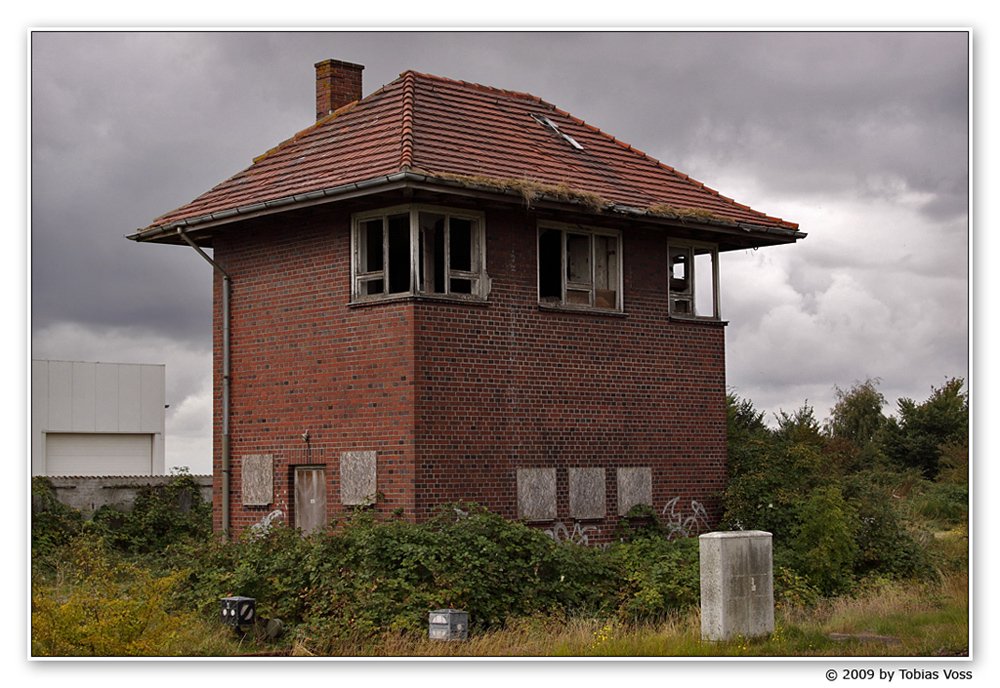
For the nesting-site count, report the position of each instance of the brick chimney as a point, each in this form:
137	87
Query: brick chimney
337	84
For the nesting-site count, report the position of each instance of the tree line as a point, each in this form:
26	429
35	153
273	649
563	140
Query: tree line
857	495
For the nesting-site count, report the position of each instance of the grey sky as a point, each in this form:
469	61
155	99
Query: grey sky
860	137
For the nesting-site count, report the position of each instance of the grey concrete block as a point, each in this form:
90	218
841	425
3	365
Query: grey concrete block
737	585
358	478
587	493
635	486
257	486
536	494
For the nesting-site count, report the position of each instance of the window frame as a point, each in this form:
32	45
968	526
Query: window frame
476	275
566	283
691	250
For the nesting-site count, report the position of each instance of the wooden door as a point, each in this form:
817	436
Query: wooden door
310	498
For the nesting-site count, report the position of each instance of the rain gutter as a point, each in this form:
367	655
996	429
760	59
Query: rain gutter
226	471
413	179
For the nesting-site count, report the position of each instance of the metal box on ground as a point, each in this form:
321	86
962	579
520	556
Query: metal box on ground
737	585
448	624
239	611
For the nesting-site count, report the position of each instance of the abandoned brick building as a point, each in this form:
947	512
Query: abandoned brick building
446	292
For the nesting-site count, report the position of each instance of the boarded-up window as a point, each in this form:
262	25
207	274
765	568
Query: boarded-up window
536	494
257	486
635	486
587	493
358	480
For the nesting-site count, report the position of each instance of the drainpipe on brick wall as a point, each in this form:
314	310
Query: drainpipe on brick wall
225	379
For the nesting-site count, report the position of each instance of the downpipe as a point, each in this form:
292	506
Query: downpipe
226	288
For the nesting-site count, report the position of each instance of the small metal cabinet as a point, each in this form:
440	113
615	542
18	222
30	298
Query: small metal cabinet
239	611
448	624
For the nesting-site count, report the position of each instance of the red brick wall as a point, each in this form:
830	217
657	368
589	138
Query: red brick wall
455	397
302	359
513	386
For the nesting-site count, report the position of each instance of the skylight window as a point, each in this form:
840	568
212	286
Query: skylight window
546	122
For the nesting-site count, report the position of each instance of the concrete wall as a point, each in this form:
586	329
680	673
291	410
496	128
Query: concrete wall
96	398
89	493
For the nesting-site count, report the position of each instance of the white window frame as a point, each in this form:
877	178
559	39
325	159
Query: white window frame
589	284
686	299
476	276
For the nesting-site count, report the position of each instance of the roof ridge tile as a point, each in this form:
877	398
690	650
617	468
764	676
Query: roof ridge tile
407	114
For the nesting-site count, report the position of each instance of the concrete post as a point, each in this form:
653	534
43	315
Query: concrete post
737	584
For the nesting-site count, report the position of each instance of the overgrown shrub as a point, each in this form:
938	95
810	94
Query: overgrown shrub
831	497
107	609
369	576
641	521
656	577
885	545
824	543
362	577
160	515
53	523
943	502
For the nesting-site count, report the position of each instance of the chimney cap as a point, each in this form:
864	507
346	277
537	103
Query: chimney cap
340	63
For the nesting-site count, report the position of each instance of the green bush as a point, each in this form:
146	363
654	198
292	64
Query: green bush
833	501
362	577
160	515
371	576
53	524
656	577
944	502
825	542
885	545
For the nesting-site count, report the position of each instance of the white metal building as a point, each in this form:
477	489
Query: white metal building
97	418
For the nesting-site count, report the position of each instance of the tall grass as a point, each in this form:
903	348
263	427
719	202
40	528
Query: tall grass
884	619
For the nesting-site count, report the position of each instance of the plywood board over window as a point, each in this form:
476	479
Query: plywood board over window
536	494
587	493
358	478
635	486
257	479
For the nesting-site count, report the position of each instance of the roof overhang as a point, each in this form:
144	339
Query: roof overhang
729	234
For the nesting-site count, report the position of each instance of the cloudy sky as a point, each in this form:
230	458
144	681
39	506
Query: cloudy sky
860	137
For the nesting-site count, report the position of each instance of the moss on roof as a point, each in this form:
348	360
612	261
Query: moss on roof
530	190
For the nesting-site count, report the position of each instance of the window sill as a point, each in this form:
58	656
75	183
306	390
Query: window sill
581	310
700	321
397	298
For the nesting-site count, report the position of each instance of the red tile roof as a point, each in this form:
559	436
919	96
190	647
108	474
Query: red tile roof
456	131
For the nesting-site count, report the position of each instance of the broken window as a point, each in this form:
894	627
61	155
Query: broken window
448	254
414	250
693	281
579	267
383	261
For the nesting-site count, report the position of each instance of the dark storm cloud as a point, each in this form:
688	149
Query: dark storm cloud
861	137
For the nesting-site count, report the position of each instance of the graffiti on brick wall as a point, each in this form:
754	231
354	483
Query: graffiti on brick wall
261	529
677	522
579	535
